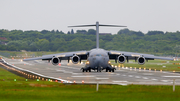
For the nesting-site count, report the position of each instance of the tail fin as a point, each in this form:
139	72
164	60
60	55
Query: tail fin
97	30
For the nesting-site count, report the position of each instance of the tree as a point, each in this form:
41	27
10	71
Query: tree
91	32
72	32
177	49
124	31
155	32
81	31
44	31
68	32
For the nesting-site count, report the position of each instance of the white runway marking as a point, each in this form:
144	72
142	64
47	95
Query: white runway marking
172	76
153	79
77	73
67	72
69	67
164	80
137	77
119	81
123	84
130	75
102	78
147	74
64	71
59	70
82	76
145	78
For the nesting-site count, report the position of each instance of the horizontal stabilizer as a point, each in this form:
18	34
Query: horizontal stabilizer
97	29
82	26
98	25
112	25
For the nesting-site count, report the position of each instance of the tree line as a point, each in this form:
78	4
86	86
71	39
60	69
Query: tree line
125	40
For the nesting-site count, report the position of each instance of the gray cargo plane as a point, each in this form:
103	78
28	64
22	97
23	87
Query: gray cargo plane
98	59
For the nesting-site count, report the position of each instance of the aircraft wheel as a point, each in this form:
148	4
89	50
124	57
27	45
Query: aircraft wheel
109	70
112	70
106	70
89	70
82	70
86	70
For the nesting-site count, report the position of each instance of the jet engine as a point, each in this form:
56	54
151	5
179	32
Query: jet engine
121	59
55	60
141	60
75	59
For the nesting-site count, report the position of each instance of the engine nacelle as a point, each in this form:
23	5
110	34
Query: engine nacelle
141	60
121	59
55	60
75	59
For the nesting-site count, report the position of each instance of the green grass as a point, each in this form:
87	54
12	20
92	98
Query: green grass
22	90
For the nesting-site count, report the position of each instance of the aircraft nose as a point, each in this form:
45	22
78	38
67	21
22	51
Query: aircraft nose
99	61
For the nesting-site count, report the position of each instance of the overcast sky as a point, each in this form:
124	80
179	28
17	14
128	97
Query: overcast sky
138	15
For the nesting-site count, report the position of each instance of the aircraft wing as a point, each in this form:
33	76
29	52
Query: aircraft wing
131	55
62	56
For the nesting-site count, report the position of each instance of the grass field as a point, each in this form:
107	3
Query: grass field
21	90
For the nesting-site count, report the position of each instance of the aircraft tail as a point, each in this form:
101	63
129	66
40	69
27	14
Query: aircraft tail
97	29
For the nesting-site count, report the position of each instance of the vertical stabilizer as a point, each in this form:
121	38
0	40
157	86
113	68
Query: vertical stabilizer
97	34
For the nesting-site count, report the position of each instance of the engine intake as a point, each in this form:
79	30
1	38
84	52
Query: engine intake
121	59
75	59
141	60
55	60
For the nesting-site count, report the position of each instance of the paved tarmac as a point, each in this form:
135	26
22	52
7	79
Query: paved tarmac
122	76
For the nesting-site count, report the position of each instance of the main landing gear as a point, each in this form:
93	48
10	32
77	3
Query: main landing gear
88	69
110	69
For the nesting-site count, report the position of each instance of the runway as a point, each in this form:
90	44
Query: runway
122	76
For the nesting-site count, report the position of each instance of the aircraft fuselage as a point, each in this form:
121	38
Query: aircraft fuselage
98	58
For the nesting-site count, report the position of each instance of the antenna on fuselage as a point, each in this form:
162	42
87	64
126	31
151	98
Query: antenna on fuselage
97	30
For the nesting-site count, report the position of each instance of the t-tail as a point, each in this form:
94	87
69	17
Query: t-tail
97	29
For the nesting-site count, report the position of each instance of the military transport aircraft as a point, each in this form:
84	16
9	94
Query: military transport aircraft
98	59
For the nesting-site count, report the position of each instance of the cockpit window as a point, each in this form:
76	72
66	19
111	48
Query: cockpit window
98	54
